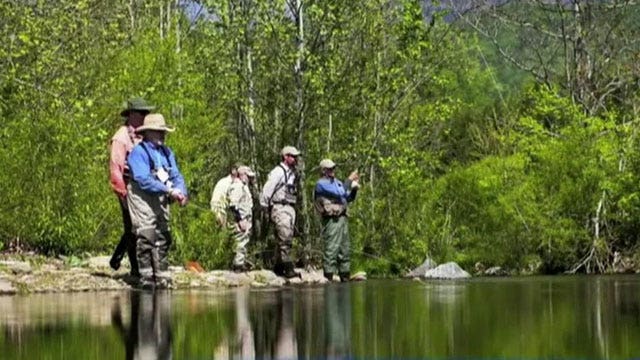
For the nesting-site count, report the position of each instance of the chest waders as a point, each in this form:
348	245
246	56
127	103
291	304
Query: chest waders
153	243
283	218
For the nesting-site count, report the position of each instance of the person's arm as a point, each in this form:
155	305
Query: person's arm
235	196
141	172
351	185
176	176
351	189
331	190
269	187
217	195
117	160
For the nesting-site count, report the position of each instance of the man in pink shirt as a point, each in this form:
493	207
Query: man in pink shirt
120	146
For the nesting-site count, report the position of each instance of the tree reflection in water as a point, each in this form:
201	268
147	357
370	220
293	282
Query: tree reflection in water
536	317
148	334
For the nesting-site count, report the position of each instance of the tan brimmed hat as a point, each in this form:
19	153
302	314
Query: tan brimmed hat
290	150
327	164
246	170
154	122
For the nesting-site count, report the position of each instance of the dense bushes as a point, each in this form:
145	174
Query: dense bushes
455	165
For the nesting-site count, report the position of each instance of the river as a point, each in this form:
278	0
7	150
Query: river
561	317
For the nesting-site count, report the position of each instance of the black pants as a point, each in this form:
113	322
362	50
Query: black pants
127	240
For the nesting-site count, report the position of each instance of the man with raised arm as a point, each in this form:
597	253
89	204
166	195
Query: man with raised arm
331	197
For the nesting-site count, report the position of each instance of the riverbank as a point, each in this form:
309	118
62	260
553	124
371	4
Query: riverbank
24	274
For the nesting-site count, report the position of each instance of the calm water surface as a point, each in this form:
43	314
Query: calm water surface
519	318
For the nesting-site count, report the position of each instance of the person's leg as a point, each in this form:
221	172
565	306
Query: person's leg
161	258
241	239
125	238
330	238
130	238
344	251
284	218
146	252
144	220
163	243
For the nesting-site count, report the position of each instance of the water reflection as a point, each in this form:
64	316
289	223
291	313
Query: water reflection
148	333
337	310
533	318
274	326
286	346
238	343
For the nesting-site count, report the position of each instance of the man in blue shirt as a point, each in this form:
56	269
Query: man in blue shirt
331	197
155	181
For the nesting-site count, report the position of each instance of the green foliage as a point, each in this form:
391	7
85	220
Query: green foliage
461	158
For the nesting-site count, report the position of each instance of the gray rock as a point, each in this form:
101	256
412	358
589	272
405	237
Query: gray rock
450	270
17	267
421	270
176	269
262	276
48	268
99	262
359	276
622	264
495	271
294	281
237	279
6	287
312	276
277	282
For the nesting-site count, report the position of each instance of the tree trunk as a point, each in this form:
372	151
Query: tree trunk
299	78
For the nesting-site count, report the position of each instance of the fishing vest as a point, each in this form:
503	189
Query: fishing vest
286	189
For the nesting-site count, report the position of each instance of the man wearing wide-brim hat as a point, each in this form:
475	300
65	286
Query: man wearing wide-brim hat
119	148
278	198
331	198
155	181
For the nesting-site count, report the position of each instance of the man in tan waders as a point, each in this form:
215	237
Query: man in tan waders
241	208
278	198
219	202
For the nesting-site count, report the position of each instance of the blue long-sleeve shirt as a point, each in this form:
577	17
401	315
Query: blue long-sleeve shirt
333	189
140	165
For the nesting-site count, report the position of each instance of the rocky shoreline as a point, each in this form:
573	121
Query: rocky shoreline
30	273
38	274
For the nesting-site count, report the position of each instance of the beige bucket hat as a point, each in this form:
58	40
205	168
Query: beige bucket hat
154	122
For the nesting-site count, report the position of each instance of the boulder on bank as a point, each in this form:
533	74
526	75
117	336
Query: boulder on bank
495	271
16	267
449	270
6	287
422	270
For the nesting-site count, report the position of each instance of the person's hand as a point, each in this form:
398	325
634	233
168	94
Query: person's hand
175	194
243	225
354	176
178	196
